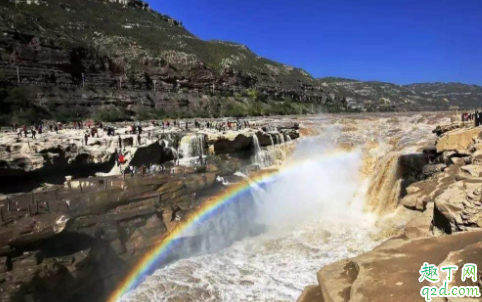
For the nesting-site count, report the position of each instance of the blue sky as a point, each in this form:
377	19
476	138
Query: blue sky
388	40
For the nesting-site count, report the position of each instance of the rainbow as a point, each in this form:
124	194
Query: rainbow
148	263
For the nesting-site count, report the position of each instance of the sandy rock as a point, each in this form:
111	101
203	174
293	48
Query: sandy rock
457	161
393	267
335	280
419	227
471	171
311	293
429	170
478	147
458	140
476	158
421	193
441	129
458	208
416	201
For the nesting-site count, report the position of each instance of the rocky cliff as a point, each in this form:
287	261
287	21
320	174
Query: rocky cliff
74	243
75	55
382	96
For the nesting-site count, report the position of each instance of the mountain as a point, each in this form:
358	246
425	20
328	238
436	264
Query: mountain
381	96
76	55
118	59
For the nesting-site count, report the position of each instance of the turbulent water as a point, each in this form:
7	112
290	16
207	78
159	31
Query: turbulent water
319	210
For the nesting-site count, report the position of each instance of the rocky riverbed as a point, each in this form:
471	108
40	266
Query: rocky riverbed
82	224
27	163
366	198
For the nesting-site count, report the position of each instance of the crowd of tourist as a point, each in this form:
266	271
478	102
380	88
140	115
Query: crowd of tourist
91	129
475	117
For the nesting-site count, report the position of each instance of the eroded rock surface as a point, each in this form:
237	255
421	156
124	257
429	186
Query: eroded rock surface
90	239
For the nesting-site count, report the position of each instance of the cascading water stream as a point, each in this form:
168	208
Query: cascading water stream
192	149
259	154
314	213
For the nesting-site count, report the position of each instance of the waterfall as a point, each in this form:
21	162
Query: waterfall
192	146
191	149
282	137
201	145
253	185
271	139
260	157
385	184
330	221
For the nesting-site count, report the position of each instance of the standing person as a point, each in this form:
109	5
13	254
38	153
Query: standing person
116	158
86	138
56	128
120	142
139	139
25	130
121	160
34	133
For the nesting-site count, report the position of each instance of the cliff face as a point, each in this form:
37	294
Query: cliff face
381	96
66	49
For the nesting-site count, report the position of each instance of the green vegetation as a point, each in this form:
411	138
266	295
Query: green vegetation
16	107
110	114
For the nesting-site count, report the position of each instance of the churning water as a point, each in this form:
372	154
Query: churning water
314	213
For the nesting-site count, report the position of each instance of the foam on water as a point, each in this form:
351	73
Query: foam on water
315	216
272	267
